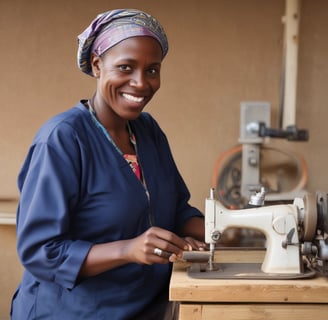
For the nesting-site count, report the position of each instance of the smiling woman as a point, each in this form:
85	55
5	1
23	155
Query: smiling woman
128	75
103	208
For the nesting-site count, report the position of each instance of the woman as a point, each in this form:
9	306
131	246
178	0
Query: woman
103	209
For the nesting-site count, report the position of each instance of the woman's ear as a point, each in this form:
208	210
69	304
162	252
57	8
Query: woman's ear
95	65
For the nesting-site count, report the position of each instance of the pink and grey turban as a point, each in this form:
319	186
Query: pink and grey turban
110	28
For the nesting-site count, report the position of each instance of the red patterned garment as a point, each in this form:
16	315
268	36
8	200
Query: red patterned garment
133	162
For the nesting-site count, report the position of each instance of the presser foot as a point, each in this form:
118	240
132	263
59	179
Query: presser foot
203	258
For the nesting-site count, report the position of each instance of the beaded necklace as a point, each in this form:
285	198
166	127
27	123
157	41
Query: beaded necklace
105	132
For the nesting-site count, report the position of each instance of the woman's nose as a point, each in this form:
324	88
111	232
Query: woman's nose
138	80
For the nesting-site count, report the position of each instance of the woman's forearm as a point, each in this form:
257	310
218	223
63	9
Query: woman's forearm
105	256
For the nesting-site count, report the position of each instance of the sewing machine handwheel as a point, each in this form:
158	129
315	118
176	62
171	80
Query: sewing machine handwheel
322	207
310	216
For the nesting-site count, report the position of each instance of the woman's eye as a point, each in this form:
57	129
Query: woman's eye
124	67
153	71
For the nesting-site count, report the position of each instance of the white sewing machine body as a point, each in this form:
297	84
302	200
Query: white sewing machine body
279	224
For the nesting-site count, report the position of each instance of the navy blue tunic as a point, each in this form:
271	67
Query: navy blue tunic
77	190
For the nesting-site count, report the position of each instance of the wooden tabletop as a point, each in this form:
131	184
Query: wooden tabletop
186	289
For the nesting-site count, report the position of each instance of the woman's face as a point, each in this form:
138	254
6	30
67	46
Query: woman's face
128	76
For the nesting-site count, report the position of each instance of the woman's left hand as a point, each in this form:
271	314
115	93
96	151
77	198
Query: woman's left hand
195	244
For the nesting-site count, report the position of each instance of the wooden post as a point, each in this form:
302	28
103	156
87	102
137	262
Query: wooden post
291	20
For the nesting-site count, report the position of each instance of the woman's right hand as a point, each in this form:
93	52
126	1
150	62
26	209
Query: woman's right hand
168	247
106	256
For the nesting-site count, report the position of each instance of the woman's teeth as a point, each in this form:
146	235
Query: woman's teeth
133	98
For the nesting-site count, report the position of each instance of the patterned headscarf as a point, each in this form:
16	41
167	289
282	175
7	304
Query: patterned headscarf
110	28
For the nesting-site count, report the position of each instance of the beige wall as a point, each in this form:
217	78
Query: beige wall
221	52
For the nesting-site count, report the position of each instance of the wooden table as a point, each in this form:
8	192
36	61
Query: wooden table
207	299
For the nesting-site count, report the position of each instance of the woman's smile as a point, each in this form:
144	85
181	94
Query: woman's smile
133	98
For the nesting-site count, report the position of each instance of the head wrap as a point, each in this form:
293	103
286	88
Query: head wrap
111	27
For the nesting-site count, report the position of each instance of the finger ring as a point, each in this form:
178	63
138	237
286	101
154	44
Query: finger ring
158	252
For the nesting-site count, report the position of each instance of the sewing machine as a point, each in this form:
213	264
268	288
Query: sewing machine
296	237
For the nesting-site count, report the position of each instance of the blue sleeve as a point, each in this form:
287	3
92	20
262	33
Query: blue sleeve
49	184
